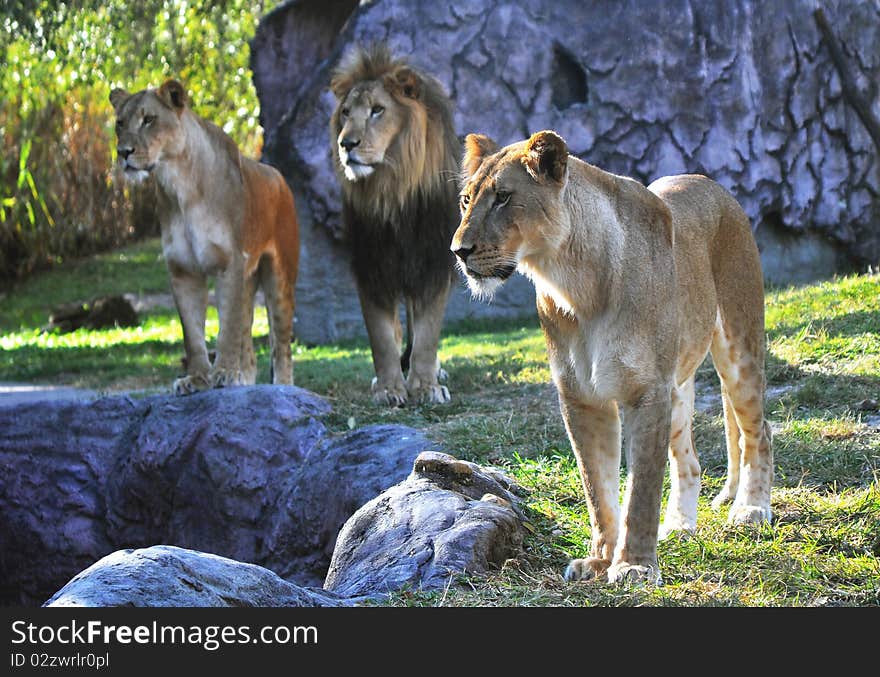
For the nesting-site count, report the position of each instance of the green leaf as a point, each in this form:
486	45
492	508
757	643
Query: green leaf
22	162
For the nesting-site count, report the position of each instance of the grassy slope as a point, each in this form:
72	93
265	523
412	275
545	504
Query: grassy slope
824	359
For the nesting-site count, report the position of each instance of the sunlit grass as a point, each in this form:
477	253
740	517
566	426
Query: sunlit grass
822	548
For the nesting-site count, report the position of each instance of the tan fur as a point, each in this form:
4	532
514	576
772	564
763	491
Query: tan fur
221	215
634	286
398	180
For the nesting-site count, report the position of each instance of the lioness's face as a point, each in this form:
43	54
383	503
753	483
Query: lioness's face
508	203
148	127
368	120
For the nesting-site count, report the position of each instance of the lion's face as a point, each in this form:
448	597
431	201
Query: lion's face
509	203
148	127
369	120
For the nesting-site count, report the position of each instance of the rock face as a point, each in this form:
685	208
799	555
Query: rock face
763	97
248	473
166	576
449	516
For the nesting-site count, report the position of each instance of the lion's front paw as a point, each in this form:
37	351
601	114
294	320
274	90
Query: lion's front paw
749	514
587	569
390	395
624	573
187	385
222	378
432	394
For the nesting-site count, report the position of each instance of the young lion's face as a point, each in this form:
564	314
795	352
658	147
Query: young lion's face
148	127
369	120
508	206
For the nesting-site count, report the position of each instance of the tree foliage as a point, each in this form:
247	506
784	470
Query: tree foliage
58	196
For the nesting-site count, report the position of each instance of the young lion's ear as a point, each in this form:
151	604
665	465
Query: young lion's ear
408	82
118	97
476	147
173	95
546	156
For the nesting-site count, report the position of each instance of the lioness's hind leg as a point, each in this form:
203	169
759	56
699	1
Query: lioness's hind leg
279	308
684	466
732	441
739	361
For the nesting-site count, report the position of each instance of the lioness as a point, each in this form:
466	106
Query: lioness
396	156
634	286
220	214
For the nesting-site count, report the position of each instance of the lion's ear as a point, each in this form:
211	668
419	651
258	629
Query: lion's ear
407	82
476	147
173	94
118	97
546	156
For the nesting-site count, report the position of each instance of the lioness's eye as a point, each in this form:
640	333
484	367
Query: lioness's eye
148	120
377	111
501	197
465	200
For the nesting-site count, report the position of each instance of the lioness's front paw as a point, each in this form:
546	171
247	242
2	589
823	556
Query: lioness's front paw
587	569
680	527
187	385
222	378
624	573
749	514
725	496
389	395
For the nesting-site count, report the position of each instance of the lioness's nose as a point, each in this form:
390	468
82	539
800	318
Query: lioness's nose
463	253
124	151
348	144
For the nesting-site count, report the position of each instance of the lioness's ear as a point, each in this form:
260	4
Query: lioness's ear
546	156
173	94
118	97
407	81
476	147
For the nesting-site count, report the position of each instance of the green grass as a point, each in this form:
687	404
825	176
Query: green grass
823	360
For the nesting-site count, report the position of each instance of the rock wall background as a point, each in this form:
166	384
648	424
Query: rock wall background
759	96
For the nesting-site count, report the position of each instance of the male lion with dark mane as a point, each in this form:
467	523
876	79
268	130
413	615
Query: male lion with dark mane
634	286
221	214
396	156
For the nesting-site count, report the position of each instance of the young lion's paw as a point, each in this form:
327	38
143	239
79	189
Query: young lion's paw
624	573
749	514
676	527
222	378
388	395
587	569
187	385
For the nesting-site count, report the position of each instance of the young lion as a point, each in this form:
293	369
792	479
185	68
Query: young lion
396	156
220	214
634	286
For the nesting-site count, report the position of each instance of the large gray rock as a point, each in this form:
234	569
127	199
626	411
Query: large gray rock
166	576
745	92
248	473
448	517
